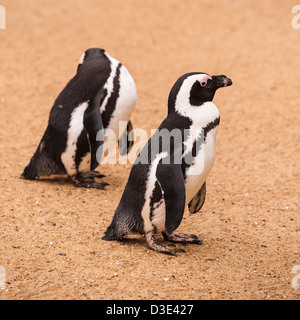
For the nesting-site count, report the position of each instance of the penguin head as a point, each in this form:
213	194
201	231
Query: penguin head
195	89
89	54
204	88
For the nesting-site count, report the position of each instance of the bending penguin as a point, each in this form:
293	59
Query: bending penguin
99	96
166	177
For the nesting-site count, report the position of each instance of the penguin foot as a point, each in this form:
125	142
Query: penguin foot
181	238
162	248
87	184
91	175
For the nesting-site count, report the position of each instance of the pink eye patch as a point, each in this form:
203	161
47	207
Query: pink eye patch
204	81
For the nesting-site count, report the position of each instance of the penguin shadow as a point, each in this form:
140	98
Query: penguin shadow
134	241
139	241
62	181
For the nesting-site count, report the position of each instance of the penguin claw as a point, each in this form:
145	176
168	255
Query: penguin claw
182	238
171	245
198	242
100	185
88	184
162	248
91	175
169	253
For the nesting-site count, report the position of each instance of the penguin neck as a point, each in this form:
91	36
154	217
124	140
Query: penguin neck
173	106
201	115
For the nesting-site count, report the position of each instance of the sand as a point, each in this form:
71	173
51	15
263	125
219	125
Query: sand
50	231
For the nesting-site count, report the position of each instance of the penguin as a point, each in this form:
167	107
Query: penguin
168	176
99	96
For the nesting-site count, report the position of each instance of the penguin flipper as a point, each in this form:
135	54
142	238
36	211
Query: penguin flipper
126	140
92	122
172	183
198	201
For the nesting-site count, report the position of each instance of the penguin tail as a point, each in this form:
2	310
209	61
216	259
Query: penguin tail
112	233
30	171
44	160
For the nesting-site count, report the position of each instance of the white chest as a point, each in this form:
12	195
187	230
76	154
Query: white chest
197	173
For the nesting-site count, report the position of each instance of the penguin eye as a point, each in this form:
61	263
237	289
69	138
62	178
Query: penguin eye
204	80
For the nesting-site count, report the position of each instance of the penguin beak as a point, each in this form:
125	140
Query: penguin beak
221	81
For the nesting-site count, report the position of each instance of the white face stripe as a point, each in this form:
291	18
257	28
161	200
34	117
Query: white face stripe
81	59
75	128
183	96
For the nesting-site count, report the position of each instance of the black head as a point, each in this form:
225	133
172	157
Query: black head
204	89
90	54
195	88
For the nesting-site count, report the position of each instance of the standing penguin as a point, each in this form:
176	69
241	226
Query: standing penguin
99	96
159	186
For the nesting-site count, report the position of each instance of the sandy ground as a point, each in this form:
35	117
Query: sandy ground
50	231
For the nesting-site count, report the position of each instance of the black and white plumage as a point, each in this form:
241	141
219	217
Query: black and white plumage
158	191
99	96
